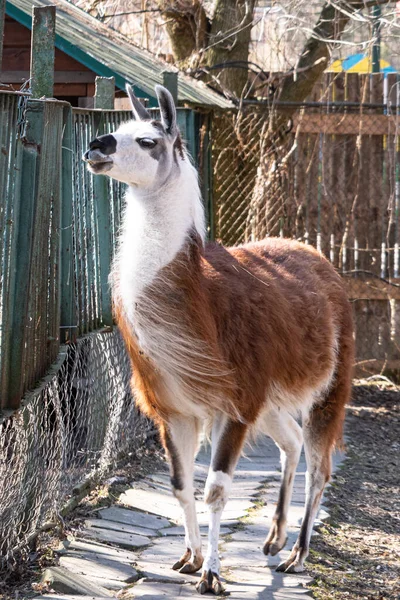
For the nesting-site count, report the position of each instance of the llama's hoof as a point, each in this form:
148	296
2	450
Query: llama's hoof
273	547
185	565
210	582
291	566
192	566
202	587
182	561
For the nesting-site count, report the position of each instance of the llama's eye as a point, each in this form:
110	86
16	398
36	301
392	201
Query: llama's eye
146	142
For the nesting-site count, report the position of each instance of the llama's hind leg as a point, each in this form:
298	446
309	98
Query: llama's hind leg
227	442
318	457
181	439
287	435
321	429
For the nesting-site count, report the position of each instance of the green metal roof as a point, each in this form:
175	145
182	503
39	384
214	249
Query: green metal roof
110	54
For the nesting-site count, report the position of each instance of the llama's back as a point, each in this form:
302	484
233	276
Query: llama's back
283	319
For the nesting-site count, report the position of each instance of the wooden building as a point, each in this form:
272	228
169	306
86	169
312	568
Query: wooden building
85	48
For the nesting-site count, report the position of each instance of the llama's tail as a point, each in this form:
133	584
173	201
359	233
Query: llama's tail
327	418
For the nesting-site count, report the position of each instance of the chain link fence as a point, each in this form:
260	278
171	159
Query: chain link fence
58	233
73	428
326	173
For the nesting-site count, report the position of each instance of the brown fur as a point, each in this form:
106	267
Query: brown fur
267	315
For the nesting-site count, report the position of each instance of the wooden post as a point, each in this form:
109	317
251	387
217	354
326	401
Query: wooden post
101	194
68	317
42	51
104	94
170	81
376	48
24	242
2	19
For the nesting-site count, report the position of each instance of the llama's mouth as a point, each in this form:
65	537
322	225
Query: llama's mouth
97	162
99	167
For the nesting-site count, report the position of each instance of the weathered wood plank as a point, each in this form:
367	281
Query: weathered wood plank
2	21
371	289
25	210
104	94
42	50
346	124
79	77
68	317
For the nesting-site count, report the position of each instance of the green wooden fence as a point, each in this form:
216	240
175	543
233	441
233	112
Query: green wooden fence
58	232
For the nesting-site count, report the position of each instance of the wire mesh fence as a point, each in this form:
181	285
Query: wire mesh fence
326	173
74	427
59	231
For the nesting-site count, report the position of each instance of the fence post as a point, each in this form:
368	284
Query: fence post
2	19
22	265
68	317
104	94
206	171
42	51
102	206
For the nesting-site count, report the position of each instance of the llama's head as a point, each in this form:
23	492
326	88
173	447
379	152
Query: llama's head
142	152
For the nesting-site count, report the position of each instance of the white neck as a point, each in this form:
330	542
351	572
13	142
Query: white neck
155	227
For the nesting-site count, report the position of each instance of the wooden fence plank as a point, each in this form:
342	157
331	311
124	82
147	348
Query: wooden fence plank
68	317
33	139
2	20
346	124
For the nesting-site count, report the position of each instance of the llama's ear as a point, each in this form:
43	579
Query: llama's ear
139	111
167	108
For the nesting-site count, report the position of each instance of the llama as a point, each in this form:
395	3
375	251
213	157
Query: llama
247	339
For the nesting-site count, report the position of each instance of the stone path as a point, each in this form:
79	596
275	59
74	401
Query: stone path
131	546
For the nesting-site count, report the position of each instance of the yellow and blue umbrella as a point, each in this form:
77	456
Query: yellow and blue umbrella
359	63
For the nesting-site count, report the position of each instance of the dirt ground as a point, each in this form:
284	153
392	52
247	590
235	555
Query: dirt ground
357	554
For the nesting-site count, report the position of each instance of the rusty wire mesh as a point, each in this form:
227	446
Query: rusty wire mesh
333	181
73	428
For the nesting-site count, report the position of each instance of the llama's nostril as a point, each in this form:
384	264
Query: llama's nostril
96	145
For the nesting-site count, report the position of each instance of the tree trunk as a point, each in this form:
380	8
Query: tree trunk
267	206
229	41
187	24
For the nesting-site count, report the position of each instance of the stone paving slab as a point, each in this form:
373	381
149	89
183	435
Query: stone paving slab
68	597
147	591
179	530
96	567
101	550
133	518
64	581
114	526
149	508
119	538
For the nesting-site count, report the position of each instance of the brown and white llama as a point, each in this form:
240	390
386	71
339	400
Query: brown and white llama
252	338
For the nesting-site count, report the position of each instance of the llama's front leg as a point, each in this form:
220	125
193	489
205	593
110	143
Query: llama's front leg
227	442
180	439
